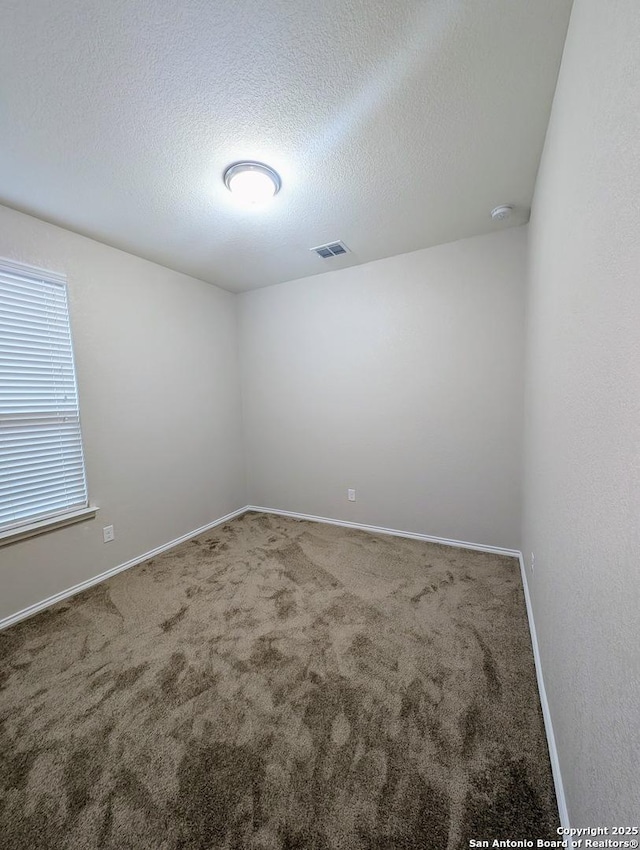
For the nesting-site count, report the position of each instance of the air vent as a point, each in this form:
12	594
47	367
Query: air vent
333	249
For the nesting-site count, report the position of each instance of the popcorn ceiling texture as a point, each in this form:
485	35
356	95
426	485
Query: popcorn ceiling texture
395	126
278	685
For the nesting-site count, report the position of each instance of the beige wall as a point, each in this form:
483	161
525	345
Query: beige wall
582	493
402	379
156	358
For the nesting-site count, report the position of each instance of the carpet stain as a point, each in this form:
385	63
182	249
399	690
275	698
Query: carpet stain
278	685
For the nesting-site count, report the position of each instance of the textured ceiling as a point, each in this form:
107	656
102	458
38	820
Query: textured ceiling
394	125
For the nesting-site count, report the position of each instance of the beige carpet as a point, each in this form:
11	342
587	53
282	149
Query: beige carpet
272	685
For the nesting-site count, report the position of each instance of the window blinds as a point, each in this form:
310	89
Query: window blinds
41	461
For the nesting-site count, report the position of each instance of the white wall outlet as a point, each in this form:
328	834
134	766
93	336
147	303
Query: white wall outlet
351	495
108	533
533	563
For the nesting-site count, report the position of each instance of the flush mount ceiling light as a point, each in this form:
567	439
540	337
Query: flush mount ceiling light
252	183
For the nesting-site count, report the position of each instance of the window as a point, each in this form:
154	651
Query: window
42	476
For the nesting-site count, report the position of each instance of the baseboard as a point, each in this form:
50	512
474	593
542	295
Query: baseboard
377	529
84	585
546	713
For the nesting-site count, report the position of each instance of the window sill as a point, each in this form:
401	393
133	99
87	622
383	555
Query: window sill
13	535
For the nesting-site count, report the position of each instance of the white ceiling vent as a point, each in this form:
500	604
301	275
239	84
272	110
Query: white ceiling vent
332	249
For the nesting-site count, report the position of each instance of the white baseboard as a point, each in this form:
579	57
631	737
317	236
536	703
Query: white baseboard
553	752
546	713
377	529
84	585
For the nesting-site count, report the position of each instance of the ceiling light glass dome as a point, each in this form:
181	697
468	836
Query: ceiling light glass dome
252	183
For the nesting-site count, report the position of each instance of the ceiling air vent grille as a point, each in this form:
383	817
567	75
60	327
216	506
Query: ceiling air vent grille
332	249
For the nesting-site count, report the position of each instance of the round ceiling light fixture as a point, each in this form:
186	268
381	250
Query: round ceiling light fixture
252	183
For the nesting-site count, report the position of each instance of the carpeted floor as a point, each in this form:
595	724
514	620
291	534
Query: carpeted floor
278	684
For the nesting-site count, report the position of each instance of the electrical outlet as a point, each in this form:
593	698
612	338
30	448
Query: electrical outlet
108	534
533	563
351	495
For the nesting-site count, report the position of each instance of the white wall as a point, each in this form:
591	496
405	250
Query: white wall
582	493
157	366
401	378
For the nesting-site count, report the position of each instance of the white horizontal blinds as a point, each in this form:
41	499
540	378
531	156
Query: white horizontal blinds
41	460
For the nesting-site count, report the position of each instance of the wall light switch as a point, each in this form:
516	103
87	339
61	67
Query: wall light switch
108	534
351	495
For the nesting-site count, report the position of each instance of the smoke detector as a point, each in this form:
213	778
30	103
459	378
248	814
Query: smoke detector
331	249
501	212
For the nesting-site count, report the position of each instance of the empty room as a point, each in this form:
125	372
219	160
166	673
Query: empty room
319	424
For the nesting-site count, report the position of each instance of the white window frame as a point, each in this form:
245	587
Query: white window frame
40	520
